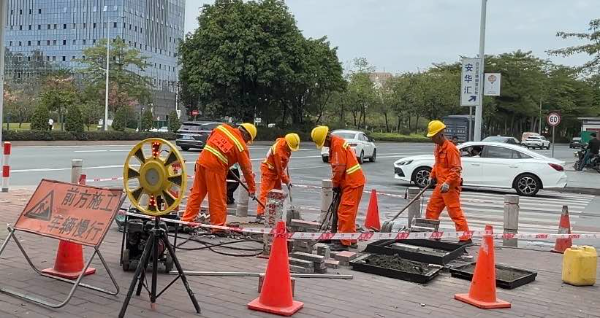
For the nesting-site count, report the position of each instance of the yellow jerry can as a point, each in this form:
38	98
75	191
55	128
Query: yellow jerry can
579	266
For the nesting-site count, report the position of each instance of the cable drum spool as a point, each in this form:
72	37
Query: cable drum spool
154	177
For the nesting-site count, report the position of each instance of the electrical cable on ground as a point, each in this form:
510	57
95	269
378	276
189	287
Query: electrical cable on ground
211	246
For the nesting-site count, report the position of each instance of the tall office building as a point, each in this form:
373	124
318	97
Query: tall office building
54	33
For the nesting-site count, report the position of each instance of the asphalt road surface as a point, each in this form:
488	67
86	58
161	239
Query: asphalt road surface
540	214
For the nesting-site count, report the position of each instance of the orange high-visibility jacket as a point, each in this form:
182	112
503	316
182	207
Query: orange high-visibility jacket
447	167
277	160
346	170
225	147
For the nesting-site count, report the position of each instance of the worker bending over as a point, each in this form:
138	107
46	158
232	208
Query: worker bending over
225	147
446	176
348	180
273	169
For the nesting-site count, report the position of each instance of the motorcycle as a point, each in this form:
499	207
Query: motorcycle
593	163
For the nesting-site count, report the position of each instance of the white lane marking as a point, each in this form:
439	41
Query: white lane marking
311	167
65	169
89	151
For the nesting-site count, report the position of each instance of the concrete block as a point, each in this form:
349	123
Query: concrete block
261	279
302	246
345	257
307	226
331	263
301	263
322	270
309	257
323	250
301	270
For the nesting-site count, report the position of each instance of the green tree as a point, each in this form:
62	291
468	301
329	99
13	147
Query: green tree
147	120
128	86
74	119
58	93
121	118
249	58
91	112
174	122
592	48
39	120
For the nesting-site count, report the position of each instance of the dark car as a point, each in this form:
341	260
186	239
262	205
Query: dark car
575	142
193	134
503	139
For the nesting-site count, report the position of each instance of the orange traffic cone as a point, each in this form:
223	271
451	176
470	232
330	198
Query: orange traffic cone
69	257
564	227
372	220
276	294
69	261
482	293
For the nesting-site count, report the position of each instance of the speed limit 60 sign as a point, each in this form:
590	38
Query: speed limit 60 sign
553	119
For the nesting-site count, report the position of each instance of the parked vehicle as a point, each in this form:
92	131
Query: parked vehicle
575	142
536	142
363	146
503	139
193	134
492	165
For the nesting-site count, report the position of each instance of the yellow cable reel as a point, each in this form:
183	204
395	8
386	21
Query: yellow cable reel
154	177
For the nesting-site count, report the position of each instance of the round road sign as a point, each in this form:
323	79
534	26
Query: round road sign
553	119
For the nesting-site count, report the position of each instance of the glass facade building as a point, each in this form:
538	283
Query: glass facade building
44	33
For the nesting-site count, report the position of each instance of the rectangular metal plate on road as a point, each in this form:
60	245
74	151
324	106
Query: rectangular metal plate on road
70	212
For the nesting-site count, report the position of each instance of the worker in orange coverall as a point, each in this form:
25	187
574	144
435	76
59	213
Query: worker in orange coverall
446	177
348	181
225	147
273	169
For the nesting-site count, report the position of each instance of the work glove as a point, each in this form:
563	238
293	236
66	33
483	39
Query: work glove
432	181
252	196
289	185
445	187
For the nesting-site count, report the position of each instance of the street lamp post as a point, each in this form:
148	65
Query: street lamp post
105	122
479	107
3	5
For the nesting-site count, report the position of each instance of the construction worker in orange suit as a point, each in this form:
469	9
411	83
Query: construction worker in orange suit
225	146
273	169
348	181
445	175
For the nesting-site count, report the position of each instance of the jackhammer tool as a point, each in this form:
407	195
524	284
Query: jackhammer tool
331	217
387	226
246	187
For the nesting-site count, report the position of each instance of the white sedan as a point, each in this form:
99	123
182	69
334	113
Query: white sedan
362	145
492	165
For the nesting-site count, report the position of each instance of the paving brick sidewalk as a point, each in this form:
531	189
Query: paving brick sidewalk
365	296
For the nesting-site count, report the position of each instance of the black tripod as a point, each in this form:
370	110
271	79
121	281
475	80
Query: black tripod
331	217
157	235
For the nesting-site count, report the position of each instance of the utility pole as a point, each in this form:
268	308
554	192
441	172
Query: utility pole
3	5
105	122
479	107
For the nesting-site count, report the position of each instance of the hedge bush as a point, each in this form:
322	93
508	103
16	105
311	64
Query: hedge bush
398	138
39	135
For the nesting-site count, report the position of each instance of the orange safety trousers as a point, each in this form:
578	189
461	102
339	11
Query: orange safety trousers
347	211
451	201
268	182
213	182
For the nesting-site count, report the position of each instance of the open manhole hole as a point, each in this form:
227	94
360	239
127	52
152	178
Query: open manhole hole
506	277
426	251
394	266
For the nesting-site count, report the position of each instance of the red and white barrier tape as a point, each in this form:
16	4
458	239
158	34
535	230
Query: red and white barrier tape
6	166
374	236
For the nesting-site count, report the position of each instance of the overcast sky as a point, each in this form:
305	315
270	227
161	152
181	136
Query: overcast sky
407	35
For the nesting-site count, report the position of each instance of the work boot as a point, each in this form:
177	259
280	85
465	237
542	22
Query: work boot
338	247
354	245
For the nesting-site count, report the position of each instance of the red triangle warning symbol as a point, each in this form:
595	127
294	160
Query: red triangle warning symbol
43	209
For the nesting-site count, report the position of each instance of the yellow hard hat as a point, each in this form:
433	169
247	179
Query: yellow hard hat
293	141
251	129
434	127
318	135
